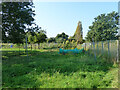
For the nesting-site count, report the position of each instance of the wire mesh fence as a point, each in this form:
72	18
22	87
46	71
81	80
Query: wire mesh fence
106	49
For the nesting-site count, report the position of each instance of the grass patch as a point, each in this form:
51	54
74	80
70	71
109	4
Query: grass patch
48	69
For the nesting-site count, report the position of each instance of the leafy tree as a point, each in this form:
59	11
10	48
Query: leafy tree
61	37
52	39
41	37
104	27
78	33
59	40
31	38
16	17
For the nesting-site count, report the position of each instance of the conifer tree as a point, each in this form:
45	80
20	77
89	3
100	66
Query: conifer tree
78	33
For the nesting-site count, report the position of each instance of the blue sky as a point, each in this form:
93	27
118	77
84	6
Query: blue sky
58	17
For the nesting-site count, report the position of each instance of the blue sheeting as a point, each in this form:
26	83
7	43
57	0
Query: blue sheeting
11	46
61	51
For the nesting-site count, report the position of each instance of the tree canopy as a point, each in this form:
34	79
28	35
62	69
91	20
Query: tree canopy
16	17
61	37
41	36
52	39
37	37
104	27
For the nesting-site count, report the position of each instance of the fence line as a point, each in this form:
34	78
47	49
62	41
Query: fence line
107	49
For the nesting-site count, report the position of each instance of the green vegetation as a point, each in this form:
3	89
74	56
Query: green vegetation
109	55
48	69
60	38
16	18
50	40
36	37
44	67
104	27
78	35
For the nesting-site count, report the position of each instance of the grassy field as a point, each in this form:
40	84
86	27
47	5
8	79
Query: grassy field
48	69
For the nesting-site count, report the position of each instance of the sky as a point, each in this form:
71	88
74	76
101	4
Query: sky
58	17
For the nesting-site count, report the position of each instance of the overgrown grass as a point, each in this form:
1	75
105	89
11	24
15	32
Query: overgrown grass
109	55
48	69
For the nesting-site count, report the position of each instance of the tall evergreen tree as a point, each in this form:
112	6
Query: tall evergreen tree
16	17
78	33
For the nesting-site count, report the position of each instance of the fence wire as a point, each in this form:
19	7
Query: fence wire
106	49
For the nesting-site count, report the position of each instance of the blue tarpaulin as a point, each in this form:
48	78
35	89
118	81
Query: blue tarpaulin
61	51
11	46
